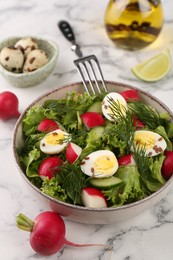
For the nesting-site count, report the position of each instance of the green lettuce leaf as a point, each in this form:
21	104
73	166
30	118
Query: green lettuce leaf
149	169
156	166
127	192
111	140
161	130
33	117
53	189
169	130
94	141
31	162
166	122
68	110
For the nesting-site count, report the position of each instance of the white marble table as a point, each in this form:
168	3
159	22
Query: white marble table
145	237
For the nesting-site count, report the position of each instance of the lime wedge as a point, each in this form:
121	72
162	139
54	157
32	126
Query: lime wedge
154	68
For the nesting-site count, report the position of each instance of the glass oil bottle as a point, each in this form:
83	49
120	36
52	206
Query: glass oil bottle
133	24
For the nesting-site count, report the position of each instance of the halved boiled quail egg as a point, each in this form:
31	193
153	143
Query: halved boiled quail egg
54	142
151	142
100	164
113	105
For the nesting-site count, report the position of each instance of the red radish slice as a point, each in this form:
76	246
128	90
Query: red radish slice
47	125
47	233
167	167
137	123
92	119
126	160
130	95
73	152
94	198
49	167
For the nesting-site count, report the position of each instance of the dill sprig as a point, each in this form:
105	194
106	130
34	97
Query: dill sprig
80	136
118	111
72	181
77	136
124	122
139	153
31	142
143	164
148	115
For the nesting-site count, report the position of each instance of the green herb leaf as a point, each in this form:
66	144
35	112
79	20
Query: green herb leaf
161	130
33	117
130	190
53	189
145	168
123	126
69	108
72	180
148	115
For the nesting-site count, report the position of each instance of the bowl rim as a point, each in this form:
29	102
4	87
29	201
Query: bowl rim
77	207
35	72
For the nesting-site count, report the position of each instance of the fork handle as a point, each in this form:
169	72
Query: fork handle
67	31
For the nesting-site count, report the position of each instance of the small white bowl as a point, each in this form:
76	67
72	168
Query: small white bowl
80	213
23	80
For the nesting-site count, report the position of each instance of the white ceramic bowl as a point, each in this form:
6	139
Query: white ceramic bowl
23	80
84	214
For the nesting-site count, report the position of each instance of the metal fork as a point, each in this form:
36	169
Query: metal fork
92	76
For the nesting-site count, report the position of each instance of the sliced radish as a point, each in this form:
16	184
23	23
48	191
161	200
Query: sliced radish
47	125
93	198
137	123
130	95
126	160
167	167
49	167
73	152
92	119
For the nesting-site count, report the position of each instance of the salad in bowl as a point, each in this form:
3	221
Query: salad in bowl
102	152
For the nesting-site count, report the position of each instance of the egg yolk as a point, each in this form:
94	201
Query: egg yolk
145	139
104	164
55	138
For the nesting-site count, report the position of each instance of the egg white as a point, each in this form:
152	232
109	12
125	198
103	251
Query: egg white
151	142
54	142
107	106
100	164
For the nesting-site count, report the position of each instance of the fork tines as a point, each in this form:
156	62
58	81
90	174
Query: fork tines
92	77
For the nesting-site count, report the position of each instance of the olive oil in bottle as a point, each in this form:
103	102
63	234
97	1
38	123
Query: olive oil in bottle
133	24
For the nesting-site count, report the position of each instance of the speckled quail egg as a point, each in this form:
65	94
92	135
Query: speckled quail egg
26	45
112	103
100	164
35	60
54	142
151	142
12	59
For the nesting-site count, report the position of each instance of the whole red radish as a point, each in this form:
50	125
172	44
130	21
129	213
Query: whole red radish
8	105
167	167
47	232
126	160
130	95
94	198
73	152
47	125
92	119
49	167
